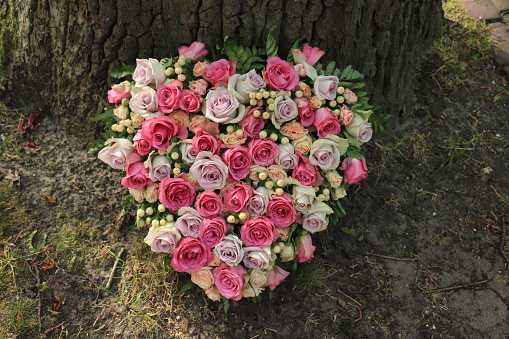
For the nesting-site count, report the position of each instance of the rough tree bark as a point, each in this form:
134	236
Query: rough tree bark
65	49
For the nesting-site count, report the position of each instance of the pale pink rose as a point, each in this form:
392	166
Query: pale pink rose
257	258
199	69
190	255
252	126
218	72
230	281
306	112
287	158
212	231
139	195
325	154
275	277
238	198
137	119
306	173
285	110
303	198
326	123
309	54
257	278
306	249
300	69
175	193
197	121
210	171
158	167
162	239
160	130
280	74
283	233
281	211
276	173
190	101
199	86
151	193
168	96
325	87
203	277
258	232
121	112
350	97
222	107
303	144
230	250
241	85
317	220
232	139
187	151
346	116
204	142
144	102
116	155
360	129
180	117
238	160
306	90
263	151
136	173
119	92
250	291
213	293
315	102
255	170
354	170
216	261
293	130
208	204
333	178
148	72
189	222
259	202
142	143
194	52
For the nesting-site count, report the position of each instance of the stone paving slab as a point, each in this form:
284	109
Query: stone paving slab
499	32
502	57
502	5
481	9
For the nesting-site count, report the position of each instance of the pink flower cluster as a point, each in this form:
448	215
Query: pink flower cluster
234	173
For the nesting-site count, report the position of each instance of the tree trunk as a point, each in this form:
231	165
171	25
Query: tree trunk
65	49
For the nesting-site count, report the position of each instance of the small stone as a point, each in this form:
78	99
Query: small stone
481	9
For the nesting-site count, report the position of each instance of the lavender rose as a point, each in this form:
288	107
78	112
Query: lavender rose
116	155
163	239
230	250
189	222
326	86
287	158
241	85
303	197
360	129
187	151
317	219
257	258
259	202
144	102
285	110
324	153
210	171
158	167
223	107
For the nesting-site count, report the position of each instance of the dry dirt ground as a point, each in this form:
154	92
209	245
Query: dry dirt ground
428	257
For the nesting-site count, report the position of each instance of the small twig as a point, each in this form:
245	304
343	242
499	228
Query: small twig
113	269
502	243
392	258
455	287
39	303
54	328
349	297
98	317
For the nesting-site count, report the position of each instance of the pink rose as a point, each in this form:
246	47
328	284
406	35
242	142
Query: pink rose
238	160
252	126
190	255
326	122
117	93
257	258
306	112
306	173
354	170
204	142
136	173
116	155
144	102
326	86
281	211
238	198
208	204
142	143
168	96
280	75
199	86
190	101
218	72
189	222
275	277
346	115
309	54
229	281
162	239
212	231
160	130
263	151
258	232
350	97
175	193
210	171
148	72
306	249
194	52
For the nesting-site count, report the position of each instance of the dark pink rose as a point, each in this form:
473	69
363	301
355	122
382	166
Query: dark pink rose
238	198
263	151
175	193
306	249
160	130
238	160
306	173
229	280
194	52
219	71
281	211
258	232
136	173
252	126
168	96
354	170
325	87
204	142
212	231
326	122
275	277
309	54
306	112
190	101
115	96
280	75
208	204
190	255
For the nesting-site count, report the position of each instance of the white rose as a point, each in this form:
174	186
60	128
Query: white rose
287	253
316	220
241	85
144	102
360	129
116	155
303	198
325	154
257	278
163	239
148	72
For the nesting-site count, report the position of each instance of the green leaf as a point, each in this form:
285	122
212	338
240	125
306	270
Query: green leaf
330	68
127	205
347	230
353	153
296	45
271	45
42	242
187	286
124	71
